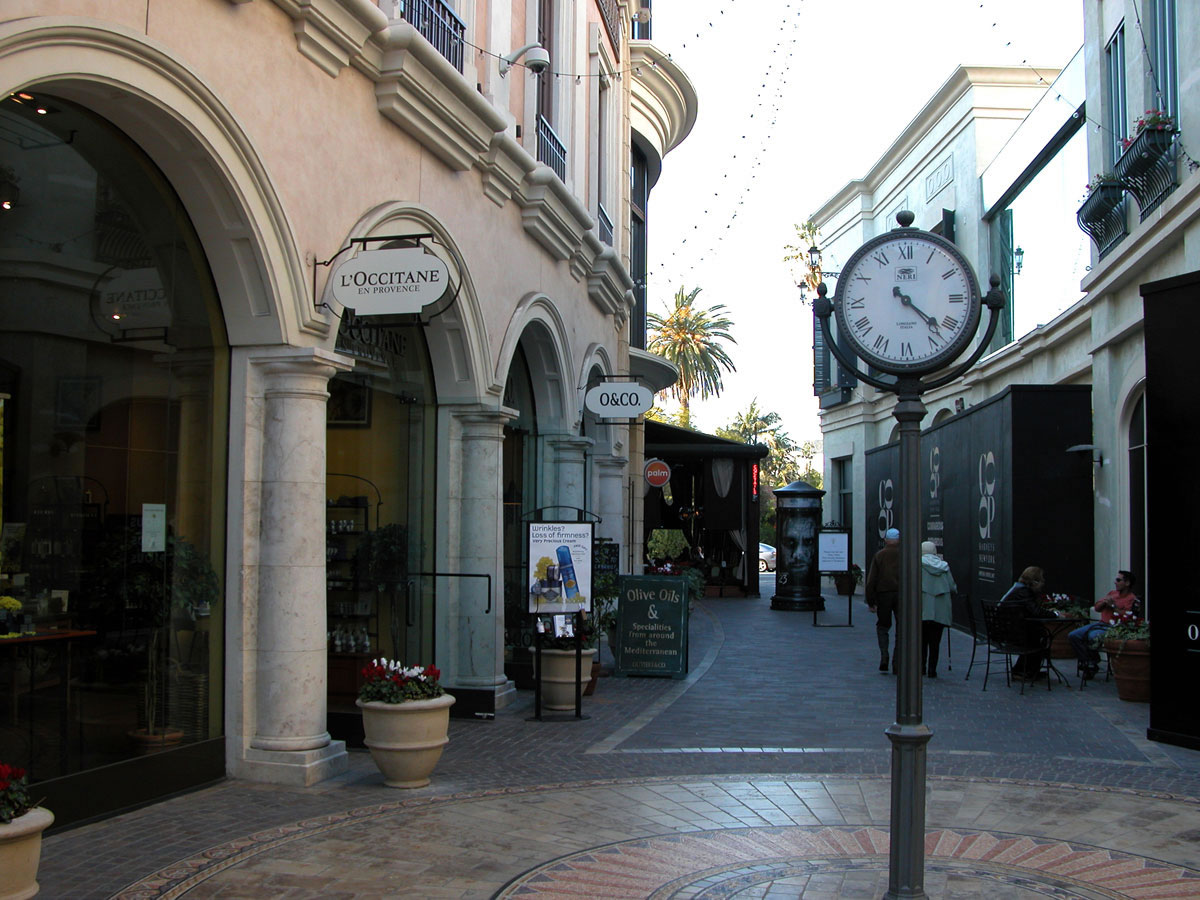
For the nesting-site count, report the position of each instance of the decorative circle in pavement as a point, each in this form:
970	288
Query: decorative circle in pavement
746	862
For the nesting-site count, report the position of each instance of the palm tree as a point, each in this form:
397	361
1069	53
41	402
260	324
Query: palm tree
690	337
756	425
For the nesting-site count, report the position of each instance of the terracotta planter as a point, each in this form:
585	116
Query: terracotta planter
845	584
406	739
148	742
1060	647
20	853
558	679
590	687
1130	662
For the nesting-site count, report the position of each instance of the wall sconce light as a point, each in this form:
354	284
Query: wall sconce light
537	60
10	195
1018	259
814	257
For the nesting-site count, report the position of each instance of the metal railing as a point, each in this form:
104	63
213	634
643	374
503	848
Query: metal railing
605	225
612	22
550	149
438	24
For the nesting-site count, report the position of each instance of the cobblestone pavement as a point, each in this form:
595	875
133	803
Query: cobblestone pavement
764	773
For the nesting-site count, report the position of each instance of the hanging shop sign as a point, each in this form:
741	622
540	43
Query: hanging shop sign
560	567
390	282
618	399
657	472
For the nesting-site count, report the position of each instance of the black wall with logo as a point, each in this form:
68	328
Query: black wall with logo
1172	313
999	491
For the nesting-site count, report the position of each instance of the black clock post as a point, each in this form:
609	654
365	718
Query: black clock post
883	297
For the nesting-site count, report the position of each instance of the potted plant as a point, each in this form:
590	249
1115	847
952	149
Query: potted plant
1158	122
558	661
846	582
406	718
1127	644
21	825
1064	606
171	589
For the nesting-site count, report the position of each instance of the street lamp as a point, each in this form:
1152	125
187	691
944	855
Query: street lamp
1018	259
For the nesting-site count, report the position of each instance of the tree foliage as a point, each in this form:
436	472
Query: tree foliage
787	460
693	339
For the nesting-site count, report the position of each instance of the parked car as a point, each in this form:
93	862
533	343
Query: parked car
766	558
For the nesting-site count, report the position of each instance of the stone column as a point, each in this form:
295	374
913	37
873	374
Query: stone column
290	743
569	474
477	632
610	496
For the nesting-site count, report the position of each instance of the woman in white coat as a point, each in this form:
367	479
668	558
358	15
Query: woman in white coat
937	584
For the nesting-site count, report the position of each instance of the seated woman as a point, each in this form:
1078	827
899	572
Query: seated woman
1026	594
1120	599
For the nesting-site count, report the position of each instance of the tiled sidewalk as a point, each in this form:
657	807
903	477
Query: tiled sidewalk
762	774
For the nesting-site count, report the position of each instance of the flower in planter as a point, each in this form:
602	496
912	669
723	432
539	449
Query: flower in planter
1127	625
390	681
14	793
1100	180
1153	119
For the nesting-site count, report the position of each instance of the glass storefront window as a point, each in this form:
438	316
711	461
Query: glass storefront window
380	440
113	410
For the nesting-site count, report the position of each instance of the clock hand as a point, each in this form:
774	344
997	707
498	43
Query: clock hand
907	301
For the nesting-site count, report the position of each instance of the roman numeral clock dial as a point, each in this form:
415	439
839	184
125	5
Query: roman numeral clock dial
907	302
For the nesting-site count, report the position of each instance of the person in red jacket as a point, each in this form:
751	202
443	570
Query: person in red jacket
1120	599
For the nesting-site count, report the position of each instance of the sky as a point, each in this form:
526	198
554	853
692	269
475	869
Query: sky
796	99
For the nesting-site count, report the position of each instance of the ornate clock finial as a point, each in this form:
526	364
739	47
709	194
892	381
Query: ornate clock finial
905	218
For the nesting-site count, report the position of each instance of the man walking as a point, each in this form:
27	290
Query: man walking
883	590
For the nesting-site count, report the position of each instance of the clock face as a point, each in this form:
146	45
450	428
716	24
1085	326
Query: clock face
908	302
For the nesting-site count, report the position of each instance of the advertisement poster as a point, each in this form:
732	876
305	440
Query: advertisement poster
560	567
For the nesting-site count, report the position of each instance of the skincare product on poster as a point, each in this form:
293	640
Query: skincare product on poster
566	568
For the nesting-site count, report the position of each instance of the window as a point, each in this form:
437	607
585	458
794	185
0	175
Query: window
639	200
1162	79
1137	493
843	483
1117	122
602	117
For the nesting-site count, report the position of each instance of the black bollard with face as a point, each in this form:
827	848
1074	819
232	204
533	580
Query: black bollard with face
797	522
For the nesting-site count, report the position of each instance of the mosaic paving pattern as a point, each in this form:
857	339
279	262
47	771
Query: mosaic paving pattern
706	838
726	863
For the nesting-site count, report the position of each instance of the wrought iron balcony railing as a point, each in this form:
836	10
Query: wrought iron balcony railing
550	149
605	224
612	22
438	24
1147	168
1102	216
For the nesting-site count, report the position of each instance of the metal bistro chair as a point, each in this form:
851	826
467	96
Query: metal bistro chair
1007	637
964	610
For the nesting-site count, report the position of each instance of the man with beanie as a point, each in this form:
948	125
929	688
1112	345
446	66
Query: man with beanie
883	591
937	584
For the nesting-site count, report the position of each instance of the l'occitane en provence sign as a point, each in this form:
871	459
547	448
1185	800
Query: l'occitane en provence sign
387	282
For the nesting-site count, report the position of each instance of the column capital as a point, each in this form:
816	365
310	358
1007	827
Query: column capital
571	442
610	462
480	420
286	368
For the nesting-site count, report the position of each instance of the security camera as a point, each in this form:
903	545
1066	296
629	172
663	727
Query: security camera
537	60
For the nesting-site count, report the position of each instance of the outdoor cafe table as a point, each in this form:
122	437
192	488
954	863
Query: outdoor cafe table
1054	626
